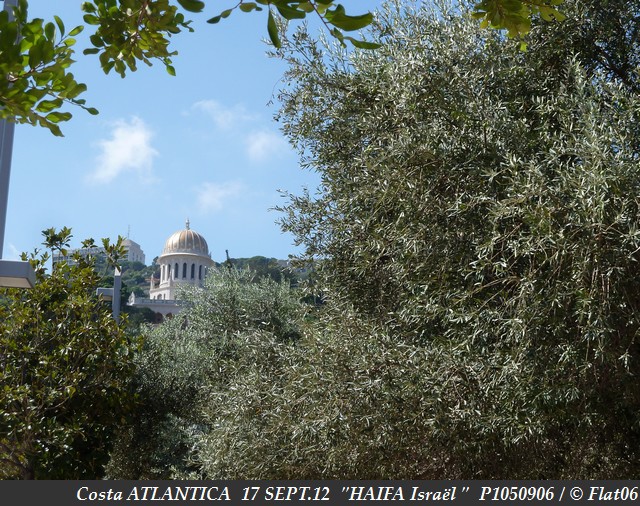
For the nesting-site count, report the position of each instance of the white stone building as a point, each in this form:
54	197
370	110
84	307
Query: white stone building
185	259
133	253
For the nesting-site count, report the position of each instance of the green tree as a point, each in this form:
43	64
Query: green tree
345	401
266	267
478	205
35	56
180	367
64	370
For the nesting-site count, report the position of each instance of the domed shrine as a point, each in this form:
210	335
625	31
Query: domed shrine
185	260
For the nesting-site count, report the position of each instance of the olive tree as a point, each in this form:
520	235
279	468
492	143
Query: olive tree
180	368
478	203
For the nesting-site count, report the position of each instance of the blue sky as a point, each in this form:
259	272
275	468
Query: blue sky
201	145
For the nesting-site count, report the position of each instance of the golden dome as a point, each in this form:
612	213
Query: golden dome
186	241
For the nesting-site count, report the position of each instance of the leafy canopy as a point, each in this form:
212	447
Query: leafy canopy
34	61
35	56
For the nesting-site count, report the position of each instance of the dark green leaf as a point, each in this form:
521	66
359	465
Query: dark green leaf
35	55
56	117
340	19
90	19
78	29
363	44
50	31
272	28
289	13
55	129
48	105
222	15
305	6
192	5
249	6
60	25
88	7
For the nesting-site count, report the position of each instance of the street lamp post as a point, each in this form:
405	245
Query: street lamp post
13	274
6	148
113	294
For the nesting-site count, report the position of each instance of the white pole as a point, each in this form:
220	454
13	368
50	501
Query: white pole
6	149
115	302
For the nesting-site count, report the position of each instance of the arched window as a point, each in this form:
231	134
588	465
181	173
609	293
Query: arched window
176	273
168	272
193	271
184	270
200	272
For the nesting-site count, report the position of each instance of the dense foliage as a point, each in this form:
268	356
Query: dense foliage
478	203
182	364
64	370
273	268
35	58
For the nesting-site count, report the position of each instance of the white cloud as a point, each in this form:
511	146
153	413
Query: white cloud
128	150
224	118
212	196
265	144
